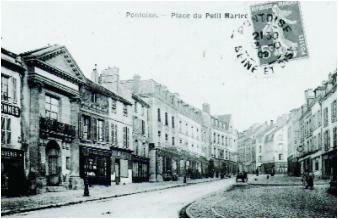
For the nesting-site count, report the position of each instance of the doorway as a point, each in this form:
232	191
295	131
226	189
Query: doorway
54	163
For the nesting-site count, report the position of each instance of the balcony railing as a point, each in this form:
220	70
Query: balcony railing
52	127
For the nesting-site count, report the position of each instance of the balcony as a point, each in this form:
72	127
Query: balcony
52	127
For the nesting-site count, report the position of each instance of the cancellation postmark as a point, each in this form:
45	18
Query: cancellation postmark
278	32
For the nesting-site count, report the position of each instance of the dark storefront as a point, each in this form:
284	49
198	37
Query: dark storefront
330	165
96	164
12	172
140	169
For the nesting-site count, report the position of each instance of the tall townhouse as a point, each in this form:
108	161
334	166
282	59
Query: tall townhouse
259	144
116	117
168	155
306	132
329	130
140	156
14	148
51	97
274	158
294	142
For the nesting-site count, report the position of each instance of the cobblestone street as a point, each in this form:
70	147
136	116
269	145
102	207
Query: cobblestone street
279	196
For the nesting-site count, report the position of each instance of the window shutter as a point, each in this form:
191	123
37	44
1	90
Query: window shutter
94	129
14	89
106	132
80	128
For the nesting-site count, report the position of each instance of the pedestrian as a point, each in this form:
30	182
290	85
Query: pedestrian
305	179
311	177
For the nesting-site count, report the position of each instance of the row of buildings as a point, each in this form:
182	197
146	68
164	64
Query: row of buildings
58	126
303	140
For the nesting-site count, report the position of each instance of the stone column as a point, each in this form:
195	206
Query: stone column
75	181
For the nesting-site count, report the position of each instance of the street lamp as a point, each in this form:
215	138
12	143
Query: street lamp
185	172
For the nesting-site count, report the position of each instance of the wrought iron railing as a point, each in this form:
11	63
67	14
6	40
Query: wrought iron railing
52	127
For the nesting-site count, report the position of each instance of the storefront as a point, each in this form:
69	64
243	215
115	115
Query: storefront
95	163
12	172
140	169
330	164
122	168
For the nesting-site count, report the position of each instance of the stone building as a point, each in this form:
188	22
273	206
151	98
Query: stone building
14	150
294	142
51	98
140	156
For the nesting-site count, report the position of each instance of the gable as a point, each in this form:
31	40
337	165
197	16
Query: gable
57	57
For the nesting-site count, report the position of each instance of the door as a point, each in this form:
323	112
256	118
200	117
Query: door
54	163
117	170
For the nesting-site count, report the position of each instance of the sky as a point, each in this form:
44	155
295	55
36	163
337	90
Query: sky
193	57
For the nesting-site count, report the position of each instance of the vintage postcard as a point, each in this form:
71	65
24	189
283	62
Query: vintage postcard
168	109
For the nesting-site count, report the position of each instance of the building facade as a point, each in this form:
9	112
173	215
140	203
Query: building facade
14	149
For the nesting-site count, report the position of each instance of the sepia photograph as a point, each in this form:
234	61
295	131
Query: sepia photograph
168	109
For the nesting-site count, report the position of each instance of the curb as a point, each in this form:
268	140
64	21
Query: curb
187	207
57	205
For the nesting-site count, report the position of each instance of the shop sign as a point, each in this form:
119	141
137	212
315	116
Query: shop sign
10	110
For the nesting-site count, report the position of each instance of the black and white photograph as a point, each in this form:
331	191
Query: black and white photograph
168	109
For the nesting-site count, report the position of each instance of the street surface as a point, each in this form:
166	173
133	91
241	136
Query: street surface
164	203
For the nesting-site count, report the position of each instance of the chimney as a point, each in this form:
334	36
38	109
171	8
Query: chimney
110	79
136	84
95	75
309	96
206	108
271	122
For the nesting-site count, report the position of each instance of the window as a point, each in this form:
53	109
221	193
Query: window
135	107
14	90
159	134
126	137
214	137
166	137
142	110
319	141
334	134
280	156
159	114
136	147
260	148
166	119
114	134
260	158
319	118
326	140
94	98
51	107
113	106
4	88
173	141
6	131
173	122
334	111
316	164
68	163
86	127
100	130
326	117
125	110
143	127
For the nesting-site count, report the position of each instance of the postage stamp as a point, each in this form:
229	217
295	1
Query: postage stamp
278	32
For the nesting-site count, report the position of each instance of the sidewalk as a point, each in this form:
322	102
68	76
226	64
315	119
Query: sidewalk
70	197
280	180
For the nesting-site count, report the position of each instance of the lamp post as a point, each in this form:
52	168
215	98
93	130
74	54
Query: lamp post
185	172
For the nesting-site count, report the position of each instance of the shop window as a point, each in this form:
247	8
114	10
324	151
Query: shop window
51	107
6	131
124	168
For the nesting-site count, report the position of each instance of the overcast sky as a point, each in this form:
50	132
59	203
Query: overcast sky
192	57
